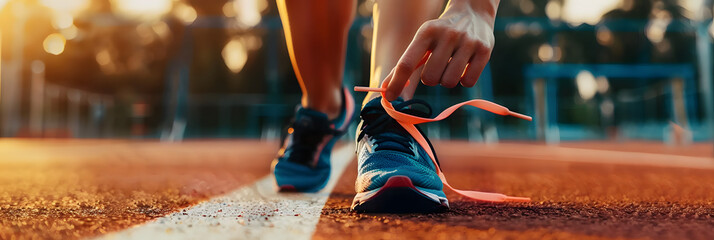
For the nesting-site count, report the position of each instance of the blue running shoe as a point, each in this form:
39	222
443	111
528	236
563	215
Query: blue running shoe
303	162
395	175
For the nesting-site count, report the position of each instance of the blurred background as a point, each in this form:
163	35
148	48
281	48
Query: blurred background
613	70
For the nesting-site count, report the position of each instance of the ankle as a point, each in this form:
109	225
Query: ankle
330	104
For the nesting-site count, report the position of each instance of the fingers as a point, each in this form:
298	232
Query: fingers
457	66
387	79
453	55
435	65
449	64
410	60
474	69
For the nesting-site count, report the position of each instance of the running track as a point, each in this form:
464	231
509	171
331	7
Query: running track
110	189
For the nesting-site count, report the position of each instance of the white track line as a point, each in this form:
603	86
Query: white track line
570	154
636	158
256	211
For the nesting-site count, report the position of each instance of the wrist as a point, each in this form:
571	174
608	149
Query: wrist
484	8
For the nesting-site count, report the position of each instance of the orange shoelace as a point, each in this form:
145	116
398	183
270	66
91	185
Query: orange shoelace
408	122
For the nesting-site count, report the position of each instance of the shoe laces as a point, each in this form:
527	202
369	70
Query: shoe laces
408	122
386	132
305	134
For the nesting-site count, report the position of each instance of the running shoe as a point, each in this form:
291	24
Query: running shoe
395	174
303	162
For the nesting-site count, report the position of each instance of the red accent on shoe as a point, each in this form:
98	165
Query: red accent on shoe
287	188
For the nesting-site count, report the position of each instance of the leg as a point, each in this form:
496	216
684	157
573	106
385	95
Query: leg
395	23
316	34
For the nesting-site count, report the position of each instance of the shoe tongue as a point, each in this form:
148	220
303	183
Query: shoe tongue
310	113
311	117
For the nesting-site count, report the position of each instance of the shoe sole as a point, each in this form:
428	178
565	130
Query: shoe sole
399	195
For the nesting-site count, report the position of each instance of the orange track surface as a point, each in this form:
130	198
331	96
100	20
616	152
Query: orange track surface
80	188
55	189
571	200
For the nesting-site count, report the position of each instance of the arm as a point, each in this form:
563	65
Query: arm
395	23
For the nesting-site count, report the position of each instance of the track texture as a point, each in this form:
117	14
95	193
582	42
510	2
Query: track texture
571	200
51	189
81	188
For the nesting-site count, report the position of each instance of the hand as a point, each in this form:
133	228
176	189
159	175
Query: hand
456	48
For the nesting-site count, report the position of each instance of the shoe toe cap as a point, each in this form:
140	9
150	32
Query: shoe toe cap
376	169
300	177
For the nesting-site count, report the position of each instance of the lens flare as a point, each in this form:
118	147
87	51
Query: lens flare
553	10
54	44
604	36
186	13
235	55
67	6
587	85
143	9
546	52
2	3
70	32
62	20
692	8
248	11
576	12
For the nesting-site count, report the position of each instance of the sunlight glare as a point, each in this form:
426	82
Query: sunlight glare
229	10
657	26
62	20
546	53
553	10
162	30
602	84
185	12
577	12
604	36
70	32
67	6
248	11
691	7
235	55
54	44
587	85
2	3
144	9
